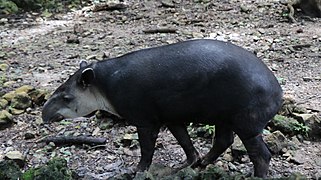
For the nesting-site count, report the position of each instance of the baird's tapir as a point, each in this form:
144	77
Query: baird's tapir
200	81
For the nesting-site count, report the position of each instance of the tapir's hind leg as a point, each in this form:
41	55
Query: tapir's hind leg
223	139
181	135
259	154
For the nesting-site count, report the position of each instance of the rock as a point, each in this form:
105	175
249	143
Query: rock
9	83
93	56
245	9
287	106
168	3
227	157
38	96
9	96
298	158
232	167
238	149
3	103
314	123
15	111
276	141
4	67
24	89
73	39
16	156
39	121
21	101
5	119
302	117
318	175
128	139
29	135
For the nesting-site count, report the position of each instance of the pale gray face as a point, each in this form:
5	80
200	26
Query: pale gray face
77	97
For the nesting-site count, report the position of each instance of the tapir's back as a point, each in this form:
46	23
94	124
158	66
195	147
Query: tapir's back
192	80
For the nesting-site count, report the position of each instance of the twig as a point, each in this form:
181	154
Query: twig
109	6
61	140
160	30
291	13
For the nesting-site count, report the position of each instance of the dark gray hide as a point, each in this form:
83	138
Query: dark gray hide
199	81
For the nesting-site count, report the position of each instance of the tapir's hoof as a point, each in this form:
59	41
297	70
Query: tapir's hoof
185	164
205	161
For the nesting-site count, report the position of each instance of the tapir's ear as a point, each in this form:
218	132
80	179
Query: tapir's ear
87	77
83	63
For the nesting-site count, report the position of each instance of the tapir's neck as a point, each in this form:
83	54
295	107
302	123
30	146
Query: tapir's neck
103	71
104	104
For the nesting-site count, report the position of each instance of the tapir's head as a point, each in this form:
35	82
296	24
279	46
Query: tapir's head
77	97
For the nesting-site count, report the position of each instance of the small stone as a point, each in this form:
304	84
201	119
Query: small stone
219	164
276	141
5	119
168	3
245	9
93	56
4	67
318	161
3	20
9	96
227	157
21	101
15	111
298	158
39	121
3	103
73	39
16	156
318	175
9	83
232	167
237	148
29	135
197	35
24	89
38	96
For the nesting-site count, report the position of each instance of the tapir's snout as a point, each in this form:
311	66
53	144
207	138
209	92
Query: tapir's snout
56	117
49	115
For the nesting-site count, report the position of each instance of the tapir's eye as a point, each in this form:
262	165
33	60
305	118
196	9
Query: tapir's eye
68	97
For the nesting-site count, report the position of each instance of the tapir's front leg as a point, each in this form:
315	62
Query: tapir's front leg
147	138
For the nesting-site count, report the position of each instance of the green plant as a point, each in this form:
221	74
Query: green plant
210	129
55	169
8	7
301	128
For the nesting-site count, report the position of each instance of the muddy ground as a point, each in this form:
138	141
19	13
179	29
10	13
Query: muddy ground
38	54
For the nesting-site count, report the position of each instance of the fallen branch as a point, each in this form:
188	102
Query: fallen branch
108	7
160	30
61	140
300	46
291	12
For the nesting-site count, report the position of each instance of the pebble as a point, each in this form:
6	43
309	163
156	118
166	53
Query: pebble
232	167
